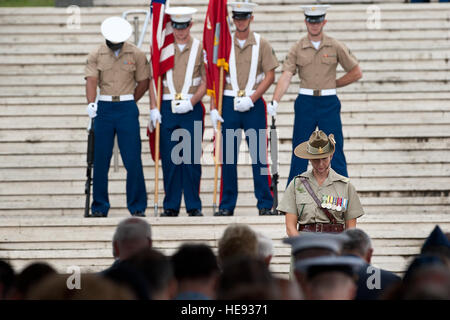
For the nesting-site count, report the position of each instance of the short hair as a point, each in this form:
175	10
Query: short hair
358	241
247	278
265	245
194	261
131	229
154	266
237	240
33	274
7	277
93	287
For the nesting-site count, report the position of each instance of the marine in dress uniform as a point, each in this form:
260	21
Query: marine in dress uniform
315	58
251	72
182	112
121	71
334	192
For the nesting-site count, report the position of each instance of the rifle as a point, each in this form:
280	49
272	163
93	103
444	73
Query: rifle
90	164
274	167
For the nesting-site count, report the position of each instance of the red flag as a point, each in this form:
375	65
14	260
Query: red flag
162	41
217	44
161	50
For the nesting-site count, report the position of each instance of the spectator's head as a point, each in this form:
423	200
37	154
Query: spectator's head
330	277
7	278
289	289
127	276
265	248
92	287
31	276
247	278
157	269
437	244
196	269
237	240
131	236
427	278
358	244
310	245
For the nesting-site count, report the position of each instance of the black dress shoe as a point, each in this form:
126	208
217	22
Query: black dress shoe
169	213
98	215
223	213
195	213
267	212
138	214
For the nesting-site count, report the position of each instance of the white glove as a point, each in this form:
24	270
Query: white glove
154	116
214	114
92	110
243	104
183	106
272	108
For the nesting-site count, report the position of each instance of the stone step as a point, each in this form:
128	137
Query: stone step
17	107
82	232
350	101
369	68
377	209
369	76
361	144
369	119
405	184
244	170
284	133
359	87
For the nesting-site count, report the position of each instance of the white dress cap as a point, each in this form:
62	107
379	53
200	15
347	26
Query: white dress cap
116	29
242	6
311	240
181	14
315	10
354	263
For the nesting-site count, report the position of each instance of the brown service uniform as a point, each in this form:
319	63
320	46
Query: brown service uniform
267	60
317	71
117	75
298	201
317	68
180	65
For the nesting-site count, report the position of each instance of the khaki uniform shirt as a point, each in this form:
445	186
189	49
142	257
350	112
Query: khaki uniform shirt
267	60
297	200
181	60
317	68
117	75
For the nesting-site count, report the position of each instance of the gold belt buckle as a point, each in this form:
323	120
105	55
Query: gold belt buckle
241	93
115	98
178	96
316	93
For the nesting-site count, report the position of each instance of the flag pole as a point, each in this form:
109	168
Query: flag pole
218	138
157	133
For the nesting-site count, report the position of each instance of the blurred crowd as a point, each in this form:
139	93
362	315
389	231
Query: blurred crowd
324	266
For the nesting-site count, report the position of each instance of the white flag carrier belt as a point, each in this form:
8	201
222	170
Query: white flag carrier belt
188	81
252	77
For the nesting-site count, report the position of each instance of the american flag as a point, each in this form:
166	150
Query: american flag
162	41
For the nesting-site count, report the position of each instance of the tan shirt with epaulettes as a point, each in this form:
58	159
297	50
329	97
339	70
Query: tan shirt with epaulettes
297	200
181	59
117	75
267	60
317	68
